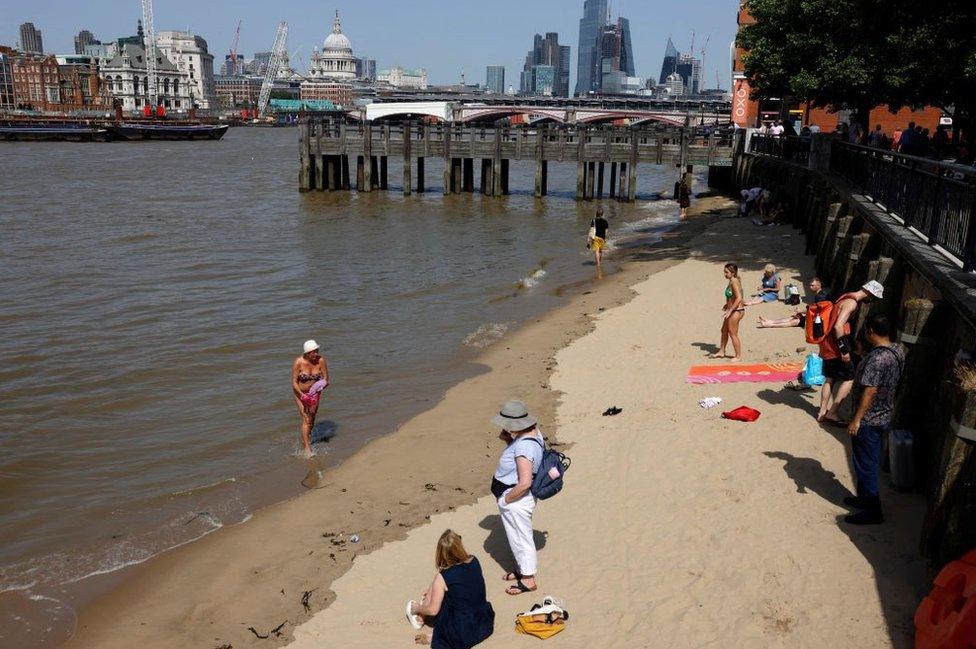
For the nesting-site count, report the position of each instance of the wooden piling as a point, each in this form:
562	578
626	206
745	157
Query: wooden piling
496	165
580	165
321	177
539	162
345	171
545	177
304	163
407	161
485	176
613	179
420	175
368	174
504	189
456	173
590	179
360	174
446	132
632	168
622	188
599	180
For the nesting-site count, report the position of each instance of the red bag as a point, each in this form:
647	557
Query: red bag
742	413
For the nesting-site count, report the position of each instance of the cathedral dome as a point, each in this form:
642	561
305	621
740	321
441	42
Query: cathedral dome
337	41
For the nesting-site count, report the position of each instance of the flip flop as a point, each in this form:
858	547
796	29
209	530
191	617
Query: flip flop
511	576
519	587
415	620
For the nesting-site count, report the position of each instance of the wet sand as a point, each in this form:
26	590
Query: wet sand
676	528
256	574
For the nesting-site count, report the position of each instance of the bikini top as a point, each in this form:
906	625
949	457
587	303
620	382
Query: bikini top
303	377
729	292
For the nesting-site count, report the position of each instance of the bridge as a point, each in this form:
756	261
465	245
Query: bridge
534	112
325	147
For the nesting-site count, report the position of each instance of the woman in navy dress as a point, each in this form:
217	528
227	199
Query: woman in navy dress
456	598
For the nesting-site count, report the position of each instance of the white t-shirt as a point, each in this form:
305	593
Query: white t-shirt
507	471
777	130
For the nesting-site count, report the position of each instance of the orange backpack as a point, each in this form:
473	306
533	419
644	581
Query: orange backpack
822	310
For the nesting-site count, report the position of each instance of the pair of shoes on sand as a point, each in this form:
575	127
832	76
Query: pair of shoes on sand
612	410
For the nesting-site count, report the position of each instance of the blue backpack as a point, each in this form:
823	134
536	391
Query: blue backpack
813	371
548	481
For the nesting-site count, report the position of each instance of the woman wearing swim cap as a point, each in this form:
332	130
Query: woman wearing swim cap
309	376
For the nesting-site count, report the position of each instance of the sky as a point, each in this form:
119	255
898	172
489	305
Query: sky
444	36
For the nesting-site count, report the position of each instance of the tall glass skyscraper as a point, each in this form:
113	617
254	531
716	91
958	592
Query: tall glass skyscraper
587	70
496	79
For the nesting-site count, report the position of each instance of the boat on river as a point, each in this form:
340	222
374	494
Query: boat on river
162	131
29	132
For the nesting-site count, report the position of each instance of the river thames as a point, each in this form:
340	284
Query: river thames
156	294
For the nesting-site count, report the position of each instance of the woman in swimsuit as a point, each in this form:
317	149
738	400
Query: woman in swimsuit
309	376
732	313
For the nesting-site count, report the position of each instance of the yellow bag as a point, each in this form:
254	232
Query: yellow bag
538	626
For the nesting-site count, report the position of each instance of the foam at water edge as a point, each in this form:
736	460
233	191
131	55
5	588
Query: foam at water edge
486	334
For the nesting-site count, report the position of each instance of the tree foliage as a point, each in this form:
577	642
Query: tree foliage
857	54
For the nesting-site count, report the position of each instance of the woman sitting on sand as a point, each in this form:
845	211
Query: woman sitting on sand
456	598
769	288
732	313
511	485
309	376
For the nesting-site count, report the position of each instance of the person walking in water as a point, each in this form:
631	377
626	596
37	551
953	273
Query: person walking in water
684	196
309	376
732	313
598	235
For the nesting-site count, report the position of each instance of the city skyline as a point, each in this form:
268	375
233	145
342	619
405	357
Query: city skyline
479	36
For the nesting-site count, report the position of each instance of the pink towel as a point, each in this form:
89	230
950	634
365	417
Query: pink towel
311	398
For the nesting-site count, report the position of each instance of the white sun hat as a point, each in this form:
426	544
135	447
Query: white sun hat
309	346
875	288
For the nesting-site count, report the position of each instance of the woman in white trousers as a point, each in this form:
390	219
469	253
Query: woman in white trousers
511	485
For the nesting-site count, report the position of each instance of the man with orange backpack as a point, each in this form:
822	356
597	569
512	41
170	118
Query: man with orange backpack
829	325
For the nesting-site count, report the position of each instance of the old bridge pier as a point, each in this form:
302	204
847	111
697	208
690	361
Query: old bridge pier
325	148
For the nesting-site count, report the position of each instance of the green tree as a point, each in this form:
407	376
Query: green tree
831	53
937	57
857	54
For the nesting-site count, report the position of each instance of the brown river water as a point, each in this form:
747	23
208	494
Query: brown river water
154	295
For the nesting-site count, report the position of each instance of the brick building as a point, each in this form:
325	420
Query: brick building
238	91
749	113
337	92
36	81
46	83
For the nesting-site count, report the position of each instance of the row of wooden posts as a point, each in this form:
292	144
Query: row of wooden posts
854	241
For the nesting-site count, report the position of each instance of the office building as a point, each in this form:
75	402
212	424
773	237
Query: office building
546	52
670	63
6	79
126	78
495	79
190	55
30	39
83	40
594	17
259	64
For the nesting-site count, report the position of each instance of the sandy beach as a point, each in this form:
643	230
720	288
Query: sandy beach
676	528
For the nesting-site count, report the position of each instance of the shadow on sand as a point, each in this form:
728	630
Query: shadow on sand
496	545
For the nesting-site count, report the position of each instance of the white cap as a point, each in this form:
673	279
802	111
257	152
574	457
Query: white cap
309	346
875	288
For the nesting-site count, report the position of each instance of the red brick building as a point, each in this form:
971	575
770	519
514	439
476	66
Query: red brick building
39	82
748	113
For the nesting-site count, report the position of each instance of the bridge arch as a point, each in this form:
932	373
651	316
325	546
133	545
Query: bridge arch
441	110
531	115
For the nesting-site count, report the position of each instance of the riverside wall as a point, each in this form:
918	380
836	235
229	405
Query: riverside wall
934	303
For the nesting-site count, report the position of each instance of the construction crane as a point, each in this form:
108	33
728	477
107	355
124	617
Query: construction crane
278	54
152	77
704	47
233	51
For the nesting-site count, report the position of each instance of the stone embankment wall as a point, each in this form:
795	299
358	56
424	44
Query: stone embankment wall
934	303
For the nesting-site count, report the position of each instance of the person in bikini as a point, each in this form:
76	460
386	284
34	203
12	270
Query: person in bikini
732	313
309	376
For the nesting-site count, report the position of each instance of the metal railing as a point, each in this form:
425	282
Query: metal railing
933	197
788	147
